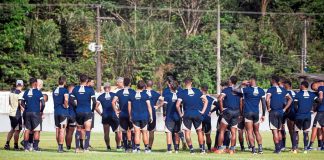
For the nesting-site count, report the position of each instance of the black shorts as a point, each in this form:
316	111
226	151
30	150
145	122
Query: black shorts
83	117
319	120
303	124
290	115
172	126
93	118
241	123
206	125
16	122
230	117
152	126
195	121
60	121
33	121
275	120
251	117
142	124
113	122
125	124
71	121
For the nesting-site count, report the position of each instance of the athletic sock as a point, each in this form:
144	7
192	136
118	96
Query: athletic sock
209	146
181	136
260	147
146	147
81	143
310	144
31	138
124	138
133	141
253	149
319	143
283	141
176	147
77	139
277	147
191	147
26	144
87	140
201	146
294	142
305	140
242	145
7	143
35	144
169	147
173	139
16	145
138	148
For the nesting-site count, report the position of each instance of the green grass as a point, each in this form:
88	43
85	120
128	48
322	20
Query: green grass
49	147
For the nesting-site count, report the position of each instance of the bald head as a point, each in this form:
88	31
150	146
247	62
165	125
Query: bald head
149	83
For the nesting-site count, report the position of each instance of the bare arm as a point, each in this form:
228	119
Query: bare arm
149	107
268	101
205	101
97	108
130	110
264	105
66	100
113	103
178	108
221	104
241	106
288	103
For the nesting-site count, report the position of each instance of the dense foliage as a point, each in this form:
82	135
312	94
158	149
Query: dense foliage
152	41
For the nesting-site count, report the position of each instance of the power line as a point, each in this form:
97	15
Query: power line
165	9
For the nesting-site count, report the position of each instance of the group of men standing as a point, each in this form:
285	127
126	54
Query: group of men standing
131	114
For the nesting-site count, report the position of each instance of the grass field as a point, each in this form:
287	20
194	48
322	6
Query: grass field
49	147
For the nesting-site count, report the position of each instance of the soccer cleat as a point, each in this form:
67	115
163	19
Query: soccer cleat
309	148
7	147
86	150
108	148
202	152
283	149
276	152
168	152
68	148
176	152
77	150
147	151
260	151
192	151
36	150
26	150
294	151
214	149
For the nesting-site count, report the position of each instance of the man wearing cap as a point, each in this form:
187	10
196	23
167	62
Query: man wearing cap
15	115
108	114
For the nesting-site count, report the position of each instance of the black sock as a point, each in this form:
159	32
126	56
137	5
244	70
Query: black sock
26	144
319	143
35	144
209	146
31	138
146	147
176	147
242	144
87	140
169	147
16	145
310	144
138	147
81	144
7	143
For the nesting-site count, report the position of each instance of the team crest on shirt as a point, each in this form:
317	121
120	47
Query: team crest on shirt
255	91
148	92
278	90
107	96
306	94
30	93
125	92
81	90
138	95
174	97
57	91
191	92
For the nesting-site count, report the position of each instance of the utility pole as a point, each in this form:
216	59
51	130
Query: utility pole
218	75
304	49
98	56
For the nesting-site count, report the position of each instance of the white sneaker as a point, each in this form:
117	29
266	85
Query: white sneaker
176	152
169	152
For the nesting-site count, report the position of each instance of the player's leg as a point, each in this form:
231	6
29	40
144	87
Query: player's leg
197	122
306	128
257	134
18	128
87	129
275	126
62	128
240	127
222	129
10	133
290	125
187	123
249	129
80	120
69	132
233	139
319	138
137	136
106	129
36	128
145	136
114	124
169	129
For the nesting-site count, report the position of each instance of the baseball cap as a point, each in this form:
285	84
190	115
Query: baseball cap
19	83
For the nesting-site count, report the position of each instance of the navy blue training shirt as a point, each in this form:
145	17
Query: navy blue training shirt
321	107
83	95
305	100
192	102
211	101
139	109
231	99
32	98
278	98
292	106
123	97
58	98
170	99
252	97
105	100
71	108
154	97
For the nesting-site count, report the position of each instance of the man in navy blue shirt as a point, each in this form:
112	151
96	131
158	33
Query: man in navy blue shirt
253	95
278	101
154	97
172	117
206	123
122	97
34	104
230	105
290	113
71	121
82	96
304	101
109	117
140	113
60	98
194	106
